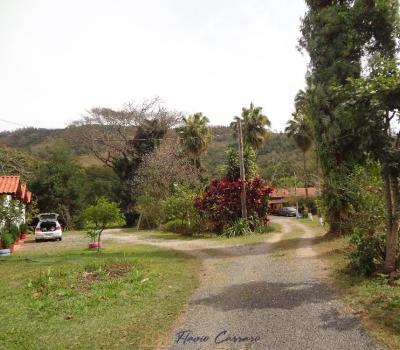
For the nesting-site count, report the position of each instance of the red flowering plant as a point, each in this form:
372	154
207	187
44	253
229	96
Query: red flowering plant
220	204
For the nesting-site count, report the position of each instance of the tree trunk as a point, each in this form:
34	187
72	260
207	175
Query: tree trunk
392	200
305	173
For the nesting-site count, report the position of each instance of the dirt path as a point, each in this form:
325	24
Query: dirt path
255	297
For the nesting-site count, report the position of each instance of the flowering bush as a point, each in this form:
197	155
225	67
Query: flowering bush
221	205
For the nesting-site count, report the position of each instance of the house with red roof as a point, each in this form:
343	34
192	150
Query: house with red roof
281	196
11	188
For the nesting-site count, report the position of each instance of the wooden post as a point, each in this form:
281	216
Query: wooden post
242	172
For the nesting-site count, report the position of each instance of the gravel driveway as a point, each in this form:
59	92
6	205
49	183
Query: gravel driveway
253	298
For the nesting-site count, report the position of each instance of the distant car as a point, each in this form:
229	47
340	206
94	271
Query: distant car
48	228
287	211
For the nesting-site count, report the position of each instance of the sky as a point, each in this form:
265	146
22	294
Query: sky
59	58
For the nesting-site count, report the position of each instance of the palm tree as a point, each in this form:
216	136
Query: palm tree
299	129
254	125
195	136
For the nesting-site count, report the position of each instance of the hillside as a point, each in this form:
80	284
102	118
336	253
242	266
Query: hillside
278	157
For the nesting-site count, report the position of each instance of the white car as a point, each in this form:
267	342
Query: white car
48	228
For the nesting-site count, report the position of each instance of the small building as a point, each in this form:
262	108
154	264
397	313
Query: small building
280	197
11	188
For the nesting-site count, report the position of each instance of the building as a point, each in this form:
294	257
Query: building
11	188
280	197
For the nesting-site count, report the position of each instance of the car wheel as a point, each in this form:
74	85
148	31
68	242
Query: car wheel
37	240
60	239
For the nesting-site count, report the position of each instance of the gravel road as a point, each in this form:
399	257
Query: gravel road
255	298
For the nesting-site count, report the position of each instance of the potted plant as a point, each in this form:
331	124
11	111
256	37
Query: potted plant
93	236
14	231
100	216
6	242
23	228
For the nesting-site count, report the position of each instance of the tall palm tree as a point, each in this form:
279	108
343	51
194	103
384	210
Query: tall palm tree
194	136
254	125
299	129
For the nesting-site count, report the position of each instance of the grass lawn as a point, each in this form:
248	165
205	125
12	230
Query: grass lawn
126	297
248	239
372	299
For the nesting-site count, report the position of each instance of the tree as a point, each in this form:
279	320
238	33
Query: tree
331	36
60	186
157	177
376	98
16	162
299	128
194	136
101	215
120	139
254	125
232	164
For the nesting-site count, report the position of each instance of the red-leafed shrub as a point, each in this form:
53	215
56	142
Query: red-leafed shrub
220	204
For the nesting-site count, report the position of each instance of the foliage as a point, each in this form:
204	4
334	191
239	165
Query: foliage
92	234
160	174
220	204
232	171
101	215
194	136
179	226
364	189
23	227
10	211
18	163
101	182
180	207
368	252
254	125
6	239
13	230
60	186
121	138
239	227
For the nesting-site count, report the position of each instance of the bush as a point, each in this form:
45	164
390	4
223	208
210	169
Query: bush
368	253
178	226
6	239
180	206
238	227
14	231
23	228
221	204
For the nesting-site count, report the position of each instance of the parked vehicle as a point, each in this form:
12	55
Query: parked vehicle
48	228
287	211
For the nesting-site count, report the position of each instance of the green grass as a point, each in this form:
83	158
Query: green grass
372	299
80	299
253	238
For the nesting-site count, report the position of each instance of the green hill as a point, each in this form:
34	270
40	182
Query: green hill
278	157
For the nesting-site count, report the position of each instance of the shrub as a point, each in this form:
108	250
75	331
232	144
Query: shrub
239	227
221	204
178	226
23	228
14	231
180	206
6	239
369	252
